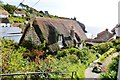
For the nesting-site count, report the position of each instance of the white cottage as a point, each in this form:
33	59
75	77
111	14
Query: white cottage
4	22
4	14
19	13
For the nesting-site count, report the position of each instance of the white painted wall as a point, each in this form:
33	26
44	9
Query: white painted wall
117	31
4	24
20	15
4	16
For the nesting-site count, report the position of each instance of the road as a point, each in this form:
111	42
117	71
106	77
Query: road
90	74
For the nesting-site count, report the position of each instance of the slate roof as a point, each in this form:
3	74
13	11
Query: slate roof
12	33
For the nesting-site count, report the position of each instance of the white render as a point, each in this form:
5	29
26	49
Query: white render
117	31
20	15
4	16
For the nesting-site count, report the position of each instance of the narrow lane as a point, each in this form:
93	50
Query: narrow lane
90	74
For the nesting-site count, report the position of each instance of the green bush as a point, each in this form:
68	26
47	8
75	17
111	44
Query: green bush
17	19
103	47
67	64
112	70
106	54
116	44
12	58
85	55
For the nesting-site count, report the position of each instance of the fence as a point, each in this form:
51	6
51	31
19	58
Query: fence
38	75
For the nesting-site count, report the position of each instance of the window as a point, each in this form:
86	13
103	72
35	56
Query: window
60	38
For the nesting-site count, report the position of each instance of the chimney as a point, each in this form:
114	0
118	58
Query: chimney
106	29
72	33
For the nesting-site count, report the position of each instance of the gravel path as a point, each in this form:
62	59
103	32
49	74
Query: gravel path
90	74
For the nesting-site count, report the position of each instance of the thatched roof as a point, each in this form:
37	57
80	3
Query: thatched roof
49	28
101	37
104	35
63	26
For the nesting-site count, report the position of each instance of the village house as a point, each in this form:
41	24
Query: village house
4	14
18	13
4	22
103	36
6	31
57	33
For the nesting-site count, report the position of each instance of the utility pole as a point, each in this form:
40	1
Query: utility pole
117	31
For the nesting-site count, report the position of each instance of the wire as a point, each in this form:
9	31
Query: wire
20	3
36	3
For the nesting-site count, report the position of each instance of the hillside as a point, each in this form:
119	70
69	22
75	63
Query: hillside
1	6
27	10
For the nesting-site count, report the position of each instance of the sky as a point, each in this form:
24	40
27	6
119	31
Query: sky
96	15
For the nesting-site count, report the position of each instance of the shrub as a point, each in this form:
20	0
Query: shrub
112	70
85	55
12	58
103	47
106	54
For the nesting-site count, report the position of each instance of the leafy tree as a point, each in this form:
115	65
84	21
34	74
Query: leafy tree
9	8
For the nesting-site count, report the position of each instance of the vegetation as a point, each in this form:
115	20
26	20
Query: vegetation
24	59
19	59
10	8
111	74
106	54
104	47
85	55
17	19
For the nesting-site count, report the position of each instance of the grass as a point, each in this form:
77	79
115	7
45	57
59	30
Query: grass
17	19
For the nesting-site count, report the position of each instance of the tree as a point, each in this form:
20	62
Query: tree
9	8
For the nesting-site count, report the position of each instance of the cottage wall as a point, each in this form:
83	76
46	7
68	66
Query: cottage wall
32	36
3	16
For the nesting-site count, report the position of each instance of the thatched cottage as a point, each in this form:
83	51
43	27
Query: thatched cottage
103	36
57	33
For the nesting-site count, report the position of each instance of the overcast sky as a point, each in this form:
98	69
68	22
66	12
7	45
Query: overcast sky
97	15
